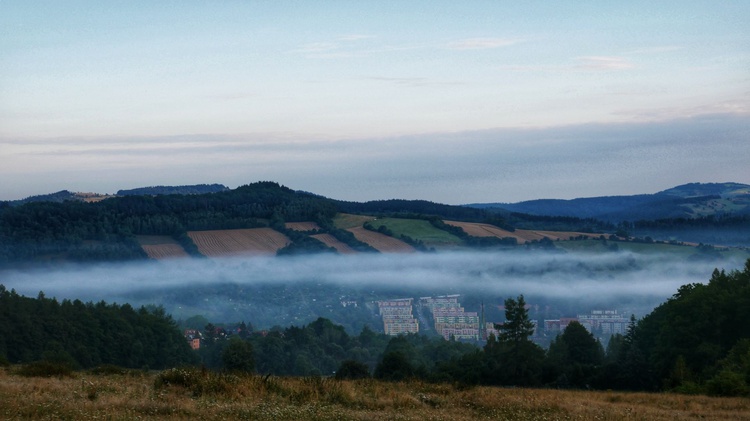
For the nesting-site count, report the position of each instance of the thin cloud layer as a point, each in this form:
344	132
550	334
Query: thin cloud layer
615	279
481	43
604	63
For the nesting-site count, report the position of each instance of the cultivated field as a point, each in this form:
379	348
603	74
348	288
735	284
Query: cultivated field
210	396
345	221
332	241
161	247
302	226
522	236
381	242
223	243
418	229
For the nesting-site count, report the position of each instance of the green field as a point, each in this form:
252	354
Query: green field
418	229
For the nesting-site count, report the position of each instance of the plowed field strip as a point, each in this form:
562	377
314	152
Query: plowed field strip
302	226
237	242
332	241
523	236
381	242
164	251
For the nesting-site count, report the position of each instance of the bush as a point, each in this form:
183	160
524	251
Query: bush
45	369
199	382
352	370
108	370
727	383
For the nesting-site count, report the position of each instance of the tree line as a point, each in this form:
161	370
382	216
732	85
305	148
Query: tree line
84	335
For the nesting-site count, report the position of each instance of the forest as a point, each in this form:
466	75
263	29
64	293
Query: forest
697	342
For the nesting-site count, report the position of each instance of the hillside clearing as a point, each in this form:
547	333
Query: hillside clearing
332	241
302	226
161	247
222	243
345	221
418	229
381	242
522	236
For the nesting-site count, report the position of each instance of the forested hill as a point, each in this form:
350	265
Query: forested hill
112	228
686	201
105	230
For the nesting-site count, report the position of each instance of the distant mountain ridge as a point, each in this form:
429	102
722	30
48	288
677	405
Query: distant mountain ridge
693	200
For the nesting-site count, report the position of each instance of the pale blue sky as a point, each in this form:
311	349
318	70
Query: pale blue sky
369	100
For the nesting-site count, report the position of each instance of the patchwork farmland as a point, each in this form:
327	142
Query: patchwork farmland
224	243
522	236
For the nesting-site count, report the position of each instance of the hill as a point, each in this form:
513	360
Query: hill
686	201
81	227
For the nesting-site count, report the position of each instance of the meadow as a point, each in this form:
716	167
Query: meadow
195	394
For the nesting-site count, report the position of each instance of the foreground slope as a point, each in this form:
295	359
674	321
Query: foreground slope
140	395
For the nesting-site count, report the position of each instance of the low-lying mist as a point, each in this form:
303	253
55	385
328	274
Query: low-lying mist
295	290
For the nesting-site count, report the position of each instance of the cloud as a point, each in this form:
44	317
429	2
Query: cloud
481	43
655	50
355	37
317	47
412	82
494	165
638	282
603	63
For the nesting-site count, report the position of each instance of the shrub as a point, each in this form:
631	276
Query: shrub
199	382
45	369
727	383
108	370
352	370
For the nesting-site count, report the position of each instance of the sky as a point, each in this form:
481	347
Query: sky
454	102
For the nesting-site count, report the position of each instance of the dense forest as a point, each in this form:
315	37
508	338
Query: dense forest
84	335
698	341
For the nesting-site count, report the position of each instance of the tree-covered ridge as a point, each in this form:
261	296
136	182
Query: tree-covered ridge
105	230
88	334
158	190
423	208
686	201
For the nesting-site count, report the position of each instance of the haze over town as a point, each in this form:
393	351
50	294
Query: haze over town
444	101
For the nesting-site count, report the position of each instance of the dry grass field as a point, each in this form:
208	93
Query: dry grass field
302	226
345	221
190	395
381	242
224	243
332	241
161	247
164	251
522	236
